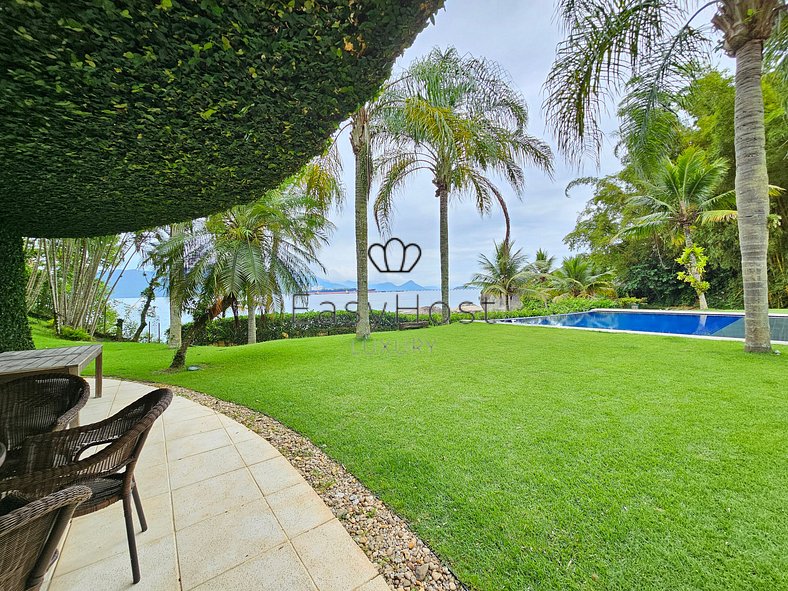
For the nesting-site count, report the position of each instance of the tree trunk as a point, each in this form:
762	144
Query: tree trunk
251	324
359	139
443	197
693	263
752	194
174	340
14	328
149	295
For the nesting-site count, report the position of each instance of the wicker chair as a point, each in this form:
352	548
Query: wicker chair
101	456
37	404
29	535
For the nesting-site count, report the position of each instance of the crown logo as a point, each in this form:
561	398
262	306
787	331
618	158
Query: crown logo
395	256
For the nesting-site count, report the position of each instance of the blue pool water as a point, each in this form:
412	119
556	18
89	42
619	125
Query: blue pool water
720	325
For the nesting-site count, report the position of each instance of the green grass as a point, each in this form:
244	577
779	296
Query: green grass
535	457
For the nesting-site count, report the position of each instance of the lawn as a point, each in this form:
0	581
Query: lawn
534	457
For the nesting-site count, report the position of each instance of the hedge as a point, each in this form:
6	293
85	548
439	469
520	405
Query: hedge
271	327
14	329
117	116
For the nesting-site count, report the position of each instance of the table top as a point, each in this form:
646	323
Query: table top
47	359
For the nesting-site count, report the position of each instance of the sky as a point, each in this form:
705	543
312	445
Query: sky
521	37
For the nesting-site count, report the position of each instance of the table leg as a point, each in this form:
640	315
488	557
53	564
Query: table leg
99	373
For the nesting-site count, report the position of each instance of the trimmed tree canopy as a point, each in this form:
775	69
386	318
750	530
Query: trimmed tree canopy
120	115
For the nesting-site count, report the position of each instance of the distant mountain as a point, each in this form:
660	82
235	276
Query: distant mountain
323	284
131	284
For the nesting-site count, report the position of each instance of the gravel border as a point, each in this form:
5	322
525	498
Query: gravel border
405	561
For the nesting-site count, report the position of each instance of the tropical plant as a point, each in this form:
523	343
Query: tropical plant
577	277
694	260
252	253
681	195
542	267
460	119
652	46
81	275
504	276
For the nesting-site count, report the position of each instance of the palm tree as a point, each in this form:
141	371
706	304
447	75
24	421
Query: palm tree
652	45
681	195
577	277
266	249
504	276
542	267
458	118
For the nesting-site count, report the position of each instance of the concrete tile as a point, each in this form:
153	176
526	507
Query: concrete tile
95	412
158	567
236	430
213	496
376	584
217	544
333	559
193	426
275	474
256	450
152	480
186	411
276	570
195	444
102	534
298	509
153	454
202	466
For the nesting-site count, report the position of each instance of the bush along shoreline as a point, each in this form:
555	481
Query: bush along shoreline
229	331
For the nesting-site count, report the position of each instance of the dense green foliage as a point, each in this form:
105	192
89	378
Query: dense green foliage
644	265
14	330
119	116
529	457
271	327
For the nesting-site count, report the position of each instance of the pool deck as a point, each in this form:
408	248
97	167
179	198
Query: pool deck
225	511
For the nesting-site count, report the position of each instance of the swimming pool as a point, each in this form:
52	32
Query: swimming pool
711	324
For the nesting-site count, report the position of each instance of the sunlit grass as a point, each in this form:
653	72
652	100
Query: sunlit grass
539	458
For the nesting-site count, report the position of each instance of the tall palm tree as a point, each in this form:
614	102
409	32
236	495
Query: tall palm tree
458	118
577	277
652	45
682	194
504	276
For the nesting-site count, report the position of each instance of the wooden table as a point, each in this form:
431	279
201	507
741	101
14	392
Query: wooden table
15	364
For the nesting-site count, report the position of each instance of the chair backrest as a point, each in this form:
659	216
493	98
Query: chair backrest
55	460
39	403
29	536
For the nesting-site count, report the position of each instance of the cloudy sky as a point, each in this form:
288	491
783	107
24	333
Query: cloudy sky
521	36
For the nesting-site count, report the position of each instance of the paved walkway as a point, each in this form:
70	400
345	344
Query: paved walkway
225	511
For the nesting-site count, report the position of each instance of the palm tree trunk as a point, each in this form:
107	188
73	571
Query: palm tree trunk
693	261
251	320
443	197
359	138
752	194
174	339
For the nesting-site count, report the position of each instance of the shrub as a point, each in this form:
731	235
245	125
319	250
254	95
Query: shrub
74	334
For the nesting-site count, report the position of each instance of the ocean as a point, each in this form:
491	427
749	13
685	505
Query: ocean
159	317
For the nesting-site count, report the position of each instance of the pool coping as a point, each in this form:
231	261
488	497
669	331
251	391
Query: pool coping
504	321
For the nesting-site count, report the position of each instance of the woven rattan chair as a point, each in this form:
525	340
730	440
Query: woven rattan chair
29	535
37	404
101	456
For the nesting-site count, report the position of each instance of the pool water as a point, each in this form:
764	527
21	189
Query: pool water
720	325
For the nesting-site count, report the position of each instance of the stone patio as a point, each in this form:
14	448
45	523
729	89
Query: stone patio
225	511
